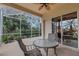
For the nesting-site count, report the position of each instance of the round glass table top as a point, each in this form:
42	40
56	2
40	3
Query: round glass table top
45	43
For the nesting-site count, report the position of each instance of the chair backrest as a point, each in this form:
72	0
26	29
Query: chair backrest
21	44
32	52
52	37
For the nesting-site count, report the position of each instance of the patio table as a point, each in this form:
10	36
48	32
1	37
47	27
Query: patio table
46	44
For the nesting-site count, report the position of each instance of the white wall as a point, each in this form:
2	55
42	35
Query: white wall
48	28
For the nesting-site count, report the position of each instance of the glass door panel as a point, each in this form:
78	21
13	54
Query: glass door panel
56	27
67	29
70	36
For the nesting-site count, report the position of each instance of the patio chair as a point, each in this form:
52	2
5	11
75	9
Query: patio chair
32	52
54	39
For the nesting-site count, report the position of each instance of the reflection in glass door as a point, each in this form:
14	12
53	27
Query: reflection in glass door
70	29
56	23
67	29
70	36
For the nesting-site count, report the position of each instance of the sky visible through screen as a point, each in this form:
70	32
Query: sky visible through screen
67	23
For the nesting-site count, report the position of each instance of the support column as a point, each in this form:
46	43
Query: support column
43	29
1	25
61	32
78	27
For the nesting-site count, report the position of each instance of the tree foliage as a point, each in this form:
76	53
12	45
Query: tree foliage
18	25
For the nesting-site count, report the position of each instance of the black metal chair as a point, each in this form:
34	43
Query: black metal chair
32	52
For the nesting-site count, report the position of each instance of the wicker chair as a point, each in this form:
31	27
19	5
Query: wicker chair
32	52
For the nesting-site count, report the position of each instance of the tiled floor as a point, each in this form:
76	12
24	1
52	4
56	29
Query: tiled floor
13	49
63	51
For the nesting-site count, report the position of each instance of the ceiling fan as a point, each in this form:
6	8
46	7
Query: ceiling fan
46	5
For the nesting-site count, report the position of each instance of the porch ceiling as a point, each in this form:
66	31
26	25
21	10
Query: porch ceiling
30	7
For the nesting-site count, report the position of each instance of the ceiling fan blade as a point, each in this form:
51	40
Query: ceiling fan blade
41	7
48	7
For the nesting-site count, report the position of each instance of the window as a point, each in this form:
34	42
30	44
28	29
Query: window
25	26
35	27
11	28
19	24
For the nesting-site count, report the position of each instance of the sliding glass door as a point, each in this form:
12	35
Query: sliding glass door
56	27
70	36
67	29
70	29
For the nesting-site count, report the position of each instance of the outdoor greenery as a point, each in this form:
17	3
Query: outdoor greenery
20	26
11	28
70	26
